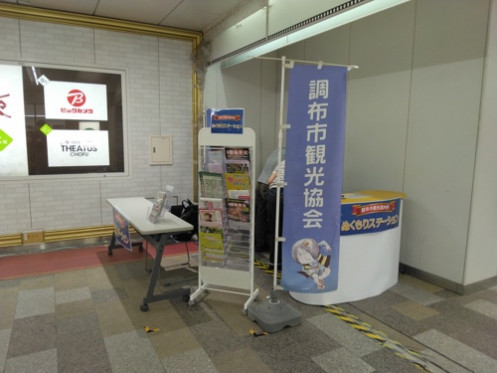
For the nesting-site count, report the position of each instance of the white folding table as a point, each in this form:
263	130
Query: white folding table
135	210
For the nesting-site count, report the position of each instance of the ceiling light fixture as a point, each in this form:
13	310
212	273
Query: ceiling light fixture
327	24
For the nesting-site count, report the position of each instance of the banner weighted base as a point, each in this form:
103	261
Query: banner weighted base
272	314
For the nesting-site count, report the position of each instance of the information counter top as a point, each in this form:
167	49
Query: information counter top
366	196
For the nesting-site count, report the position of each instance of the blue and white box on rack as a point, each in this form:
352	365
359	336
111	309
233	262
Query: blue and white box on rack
225	120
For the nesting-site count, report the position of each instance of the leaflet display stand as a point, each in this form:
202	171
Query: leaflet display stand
226	214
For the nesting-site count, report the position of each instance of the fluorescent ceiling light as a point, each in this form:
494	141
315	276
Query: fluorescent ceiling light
335	21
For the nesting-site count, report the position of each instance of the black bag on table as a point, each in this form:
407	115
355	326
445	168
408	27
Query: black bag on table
187	211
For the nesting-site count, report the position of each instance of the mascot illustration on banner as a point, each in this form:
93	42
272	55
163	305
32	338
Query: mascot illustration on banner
315	265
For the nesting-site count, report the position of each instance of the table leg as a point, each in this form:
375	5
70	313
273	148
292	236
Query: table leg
111	244
159	245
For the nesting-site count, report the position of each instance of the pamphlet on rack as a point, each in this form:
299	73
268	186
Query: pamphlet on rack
238	212
237	159
211	244
214	159
210	218
157	209
211	184
236	181
211	204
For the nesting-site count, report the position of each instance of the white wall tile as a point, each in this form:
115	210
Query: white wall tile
158	100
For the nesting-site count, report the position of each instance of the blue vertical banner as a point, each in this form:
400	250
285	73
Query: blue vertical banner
121	230
313	175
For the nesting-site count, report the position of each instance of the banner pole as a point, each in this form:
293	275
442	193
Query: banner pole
319	63
278	187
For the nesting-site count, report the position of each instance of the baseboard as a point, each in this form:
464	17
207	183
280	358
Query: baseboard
14	244
447	284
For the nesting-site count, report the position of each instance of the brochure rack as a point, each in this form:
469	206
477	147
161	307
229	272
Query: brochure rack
226	213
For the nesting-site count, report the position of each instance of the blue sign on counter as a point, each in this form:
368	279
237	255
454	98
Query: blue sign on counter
121	230
370	217
225	120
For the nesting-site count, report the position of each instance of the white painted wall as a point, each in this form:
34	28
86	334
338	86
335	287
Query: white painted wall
413	124
159	101
481	254
252	86
448	56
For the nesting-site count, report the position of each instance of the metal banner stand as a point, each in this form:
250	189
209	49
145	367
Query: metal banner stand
273	314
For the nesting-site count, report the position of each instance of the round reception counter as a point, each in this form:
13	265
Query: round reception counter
371	224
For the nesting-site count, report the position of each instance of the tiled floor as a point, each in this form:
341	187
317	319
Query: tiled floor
88	320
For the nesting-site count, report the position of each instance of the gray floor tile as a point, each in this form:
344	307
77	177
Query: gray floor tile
175	342
35	302
345	335
241	361
70	280
192	361
446	365
414	310
385	360
8	306
464	355
32	334
72	295
10	283
4	346
484	307
216	337
416	294
132	352
465	325
342	360
106	295
80	345
36	282
92	323
38	362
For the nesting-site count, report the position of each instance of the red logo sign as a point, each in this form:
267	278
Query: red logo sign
75	97
227	117
373	208
3	105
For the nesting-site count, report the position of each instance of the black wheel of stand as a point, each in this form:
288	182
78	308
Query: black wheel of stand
144	307
186	298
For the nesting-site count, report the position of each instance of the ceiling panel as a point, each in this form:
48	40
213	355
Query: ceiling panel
145	11
196	15
74	6
199	15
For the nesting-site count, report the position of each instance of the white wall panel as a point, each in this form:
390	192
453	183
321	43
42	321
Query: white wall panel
481	258
56	44
176	115
378	100
443	123
252	86
15	215
11	50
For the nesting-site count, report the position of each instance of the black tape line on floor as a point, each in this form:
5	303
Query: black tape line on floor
400	350
403	352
